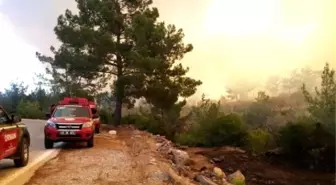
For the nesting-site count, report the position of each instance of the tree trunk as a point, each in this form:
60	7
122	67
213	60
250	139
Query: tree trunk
119	101
120	81
119	91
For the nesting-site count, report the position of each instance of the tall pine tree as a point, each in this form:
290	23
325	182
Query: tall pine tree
123	39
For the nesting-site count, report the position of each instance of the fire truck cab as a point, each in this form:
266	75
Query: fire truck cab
72	119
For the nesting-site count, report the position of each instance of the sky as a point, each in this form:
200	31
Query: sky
240	40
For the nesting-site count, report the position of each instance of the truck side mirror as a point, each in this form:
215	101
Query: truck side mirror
47	115
15	119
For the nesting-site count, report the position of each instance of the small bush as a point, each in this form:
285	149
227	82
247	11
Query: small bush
224	130
309	145
187	139
294	138
258	141
144	122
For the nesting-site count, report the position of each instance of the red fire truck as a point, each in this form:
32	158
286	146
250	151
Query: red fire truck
72	119
14	139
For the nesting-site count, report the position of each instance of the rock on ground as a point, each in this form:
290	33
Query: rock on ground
236	178
180	157
218	172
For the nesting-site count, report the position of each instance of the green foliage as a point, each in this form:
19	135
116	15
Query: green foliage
258	141
308	144
259	111
294	137
168	123
15	100
211	127
31	110
225	130
206	110
65	82
125	40
11	98
221	130
144	122
105	116
322	105
123	43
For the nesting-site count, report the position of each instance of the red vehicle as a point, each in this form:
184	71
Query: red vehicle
96	120
71	119
14	139
93	107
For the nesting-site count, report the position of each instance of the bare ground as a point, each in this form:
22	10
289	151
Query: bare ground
126	159
258	171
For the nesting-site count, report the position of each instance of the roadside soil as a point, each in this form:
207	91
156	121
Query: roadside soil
133	157
128	158
258	171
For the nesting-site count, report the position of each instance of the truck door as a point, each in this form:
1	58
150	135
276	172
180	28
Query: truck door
2	142
9	135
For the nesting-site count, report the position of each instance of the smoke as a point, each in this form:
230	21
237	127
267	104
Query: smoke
219	61
34	20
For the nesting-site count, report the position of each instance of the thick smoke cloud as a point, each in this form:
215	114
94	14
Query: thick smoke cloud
34	20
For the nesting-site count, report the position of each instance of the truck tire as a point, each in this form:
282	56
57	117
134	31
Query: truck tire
97	130
90	142
48	144
23	153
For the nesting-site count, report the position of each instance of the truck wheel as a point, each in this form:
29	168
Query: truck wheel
90	142
23	154
97	130
48	144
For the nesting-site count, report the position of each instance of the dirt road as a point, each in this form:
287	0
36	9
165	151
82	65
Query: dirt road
126	159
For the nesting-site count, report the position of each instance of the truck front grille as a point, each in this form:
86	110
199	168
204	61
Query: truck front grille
69	136
69	126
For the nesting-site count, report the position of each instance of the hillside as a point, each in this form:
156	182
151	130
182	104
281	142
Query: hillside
136	157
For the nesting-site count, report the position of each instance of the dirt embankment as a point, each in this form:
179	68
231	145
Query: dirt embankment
259	171
128	158
133	157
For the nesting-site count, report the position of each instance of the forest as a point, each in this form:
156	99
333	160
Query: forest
119	54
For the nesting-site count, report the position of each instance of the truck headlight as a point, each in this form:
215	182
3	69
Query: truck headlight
50	124
87	124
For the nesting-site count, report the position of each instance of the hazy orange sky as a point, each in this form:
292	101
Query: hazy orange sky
233	39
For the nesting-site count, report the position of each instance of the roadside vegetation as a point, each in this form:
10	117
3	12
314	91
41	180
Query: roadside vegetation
119	54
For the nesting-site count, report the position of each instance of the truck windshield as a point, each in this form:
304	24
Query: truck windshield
71	111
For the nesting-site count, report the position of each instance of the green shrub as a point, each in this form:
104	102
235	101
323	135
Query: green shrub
224	130
294	138
310	145
187	139
144	122
258	141
30	109
106	117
